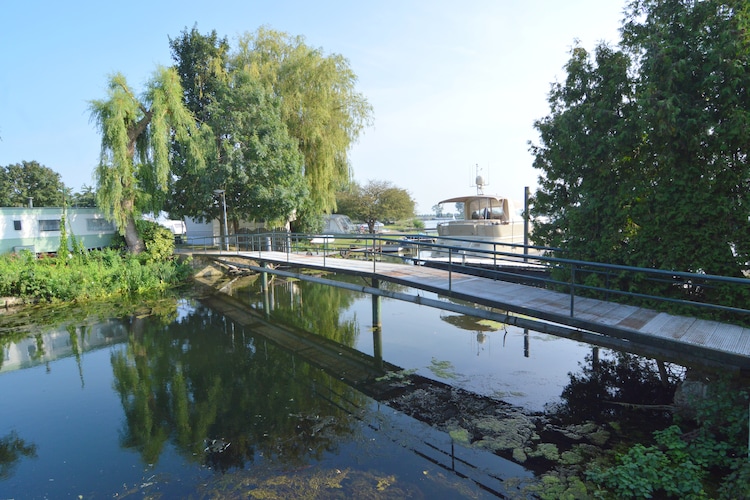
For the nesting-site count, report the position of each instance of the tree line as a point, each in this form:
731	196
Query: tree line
644	155
31	184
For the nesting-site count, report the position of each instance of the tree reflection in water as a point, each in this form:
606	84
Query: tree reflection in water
226	398
12	449
609	386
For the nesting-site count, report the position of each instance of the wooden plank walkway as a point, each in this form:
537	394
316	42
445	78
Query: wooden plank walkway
710	340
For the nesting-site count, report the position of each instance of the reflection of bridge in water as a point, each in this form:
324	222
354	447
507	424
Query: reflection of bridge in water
525	302
367	374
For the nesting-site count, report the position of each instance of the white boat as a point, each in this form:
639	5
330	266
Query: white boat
488	221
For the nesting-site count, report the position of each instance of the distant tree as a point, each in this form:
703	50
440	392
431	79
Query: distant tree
319	105
29	179
376	200
437	210
136	135
4	188
86	198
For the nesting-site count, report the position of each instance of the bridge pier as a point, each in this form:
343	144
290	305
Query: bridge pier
377	330
264	288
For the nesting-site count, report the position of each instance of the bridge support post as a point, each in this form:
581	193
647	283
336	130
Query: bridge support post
377	330
266	293
526	346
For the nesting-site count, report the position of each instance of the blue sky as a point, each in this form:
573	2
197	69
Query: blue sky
453	84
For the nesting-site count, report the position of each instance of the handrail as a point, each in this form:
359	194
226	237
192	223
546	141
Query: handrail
685	289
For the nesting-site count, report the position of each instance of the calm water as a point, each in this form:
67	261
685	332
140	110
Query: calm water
186	403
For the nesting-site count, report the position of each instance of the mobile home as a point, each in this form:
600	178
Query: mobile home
38	229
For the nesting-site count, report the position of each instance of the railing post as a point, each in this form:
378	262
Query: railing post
450	270
572	287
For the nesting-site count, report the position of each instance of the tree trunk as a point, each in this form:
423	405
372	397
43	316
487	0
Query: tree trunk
132	239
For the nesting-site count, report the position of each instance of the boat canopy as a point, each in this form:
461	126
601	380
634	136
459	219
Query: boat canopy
464	199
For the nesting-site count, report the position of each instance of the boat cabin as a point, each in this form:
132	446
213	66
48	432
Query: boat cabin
482	207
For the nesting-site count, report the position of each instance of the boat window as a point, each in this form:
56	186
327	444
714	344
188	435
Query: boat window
17	225
486	209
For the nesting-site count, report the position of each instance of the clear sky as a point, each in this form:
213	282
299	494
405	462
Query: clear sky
453	84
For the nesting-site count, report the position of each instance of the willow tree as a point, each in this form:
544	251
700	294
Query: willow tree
134	166
319	105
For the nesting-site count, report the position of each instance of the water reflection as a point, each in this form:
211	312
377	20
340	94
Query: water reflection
224	397
12	450
180	399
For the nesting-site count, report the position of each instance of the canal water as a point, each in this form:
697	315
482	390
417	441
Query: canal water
181	401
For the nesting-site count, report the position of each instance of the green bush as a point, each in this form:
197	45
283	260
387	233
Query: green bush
159	240
94	275
708	461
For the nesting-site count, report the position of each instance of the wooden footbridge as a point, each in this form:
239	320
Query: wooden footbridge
505	295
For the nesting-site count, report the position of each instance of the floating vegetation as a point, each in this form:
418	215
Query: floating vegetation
397	379
442	369
310	483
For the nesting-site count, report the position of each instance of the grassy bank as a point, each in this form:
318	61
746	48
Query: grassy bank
86	276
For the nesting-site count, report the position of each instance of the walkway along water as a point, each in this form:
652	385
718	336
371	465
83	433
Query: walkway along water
611	324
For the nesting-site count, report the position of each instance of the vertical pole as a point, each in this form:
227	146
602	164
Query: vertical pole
377	339
226	227
450	269
526	343
572	287
264	287
526	223
376	317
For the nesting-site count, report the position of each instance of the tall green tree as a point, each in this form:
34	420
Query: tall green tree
20	182
376	200
587	156
694	98
258	163
319	105
644	154
253	159
134	167
202	63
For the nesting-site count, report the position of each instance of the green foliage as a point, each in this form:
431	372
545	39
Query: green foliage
319	105
417	223
136	136
101	274
664	470
644	152
376	200
29	179
158	240
710	458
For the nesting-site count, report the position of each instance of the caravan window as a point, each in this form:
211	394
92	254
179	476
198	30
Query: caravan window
49	224
99	225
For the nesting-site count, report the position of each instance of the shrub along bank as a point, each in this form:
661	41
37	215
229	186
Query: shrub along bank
76	274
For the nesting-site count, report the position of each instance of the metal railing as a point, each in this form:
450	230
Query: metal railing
717	297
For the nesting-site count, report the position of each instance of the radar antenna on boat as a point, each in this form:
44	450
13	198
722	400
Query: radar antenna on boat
480	182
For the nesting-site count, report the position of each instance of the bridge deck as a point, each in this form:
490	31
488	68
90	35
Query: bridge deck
714	341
